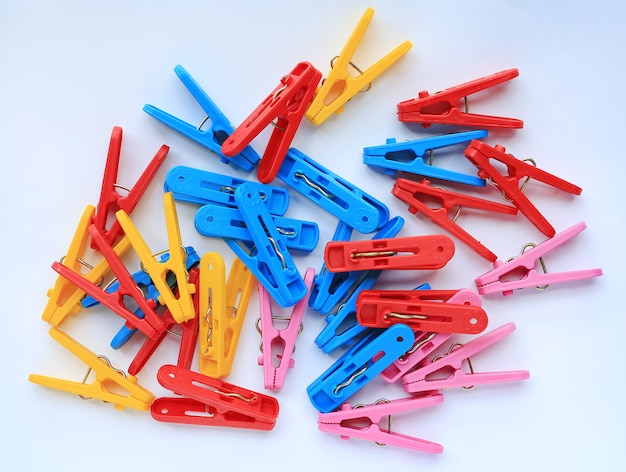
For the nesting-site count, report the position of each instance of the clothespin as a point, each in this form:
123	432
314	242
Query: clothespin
180	305
202	187
110	200
408	156
521	271
151	324
339	86
363	422
277	345
222	310
110	384
423	310
404	253
220	129
286	104
480	154
211	402
333	193
443	107
358	366
425	378
224	222
414	194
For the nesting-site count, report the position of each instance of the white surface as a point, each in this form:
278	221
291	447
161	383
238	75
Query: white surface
72	70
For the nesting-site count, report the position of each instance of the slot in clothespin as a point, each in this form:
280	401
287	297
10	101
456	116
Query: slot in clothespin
340	86
211	402
334	194
110	384
443	107
404	253
447	372
180	304
363	422
521	271
415	194
286	104
278	345
480	154
220	129
408	156
358	366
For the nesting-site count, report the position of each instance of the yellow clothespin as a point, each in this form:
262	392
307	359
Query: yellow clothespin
340	86
64	297
107	378
222	310
181	306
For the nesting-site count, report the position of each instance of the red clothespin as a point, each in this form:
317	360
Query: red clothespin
443	107
286	104
480	155
110	200
407	253
423	310
411	193
211	402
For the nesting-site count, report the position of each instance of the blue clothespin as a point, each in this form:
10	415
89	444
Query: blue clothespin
223	222
220	129
201	187
333	193
359	365
408	156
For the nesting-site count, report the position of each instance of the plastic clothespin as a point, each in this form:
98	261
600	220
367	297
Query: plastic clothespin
333	193
408	156
404	253
423	310
180	305
223	222
277	345
151	324
110	384
363	422
521	271
339	86
286	104
426	379
480	154
443	107
202	187
358	366
220	129
211	402
110	200
416	194
222	310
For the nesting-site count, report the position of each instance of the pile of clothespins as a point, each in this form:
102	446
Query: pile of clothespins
388	333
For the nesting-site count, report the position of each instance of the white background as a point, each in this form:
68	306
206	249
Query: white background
72	70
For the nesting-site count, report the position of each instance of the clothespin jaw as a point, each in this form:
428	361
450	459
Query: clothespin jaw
404	253
481	154
212	402
363	422
415	194
521	271
443	107
220	129
339	86
110	385
286	104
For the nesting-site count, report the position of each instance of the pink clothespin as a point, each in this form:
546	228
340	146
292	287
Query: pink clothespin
497	280
425	378
273	339
363	422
